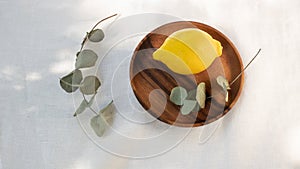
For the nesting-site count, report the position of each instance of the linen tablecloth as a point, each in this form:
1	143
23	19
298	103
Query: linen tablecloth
39	40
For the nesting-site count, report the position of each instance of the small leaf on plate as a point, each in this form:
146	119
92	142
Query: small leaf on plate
86	58
101	121
192	95
188	106
90	85
83	105
178	95
196	108
223	82
96	35
201	96
71	81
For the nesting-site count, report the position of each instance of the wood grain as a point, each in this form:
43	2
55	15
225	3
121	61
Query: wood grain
148	74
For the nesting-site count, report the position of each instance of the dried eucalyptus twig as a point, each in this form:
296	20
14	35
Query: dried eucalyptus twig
102	21
93	28
87	103
88	85
82	45
239	75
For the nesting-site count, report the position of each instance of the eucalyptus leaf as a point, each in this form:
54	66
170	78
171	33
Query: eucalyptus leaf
77	54
188	106
71	82
107	110
100	122
86	58
178	95
83	105
98	125
201	95
223	82
196	108
191	95
96	35
90	85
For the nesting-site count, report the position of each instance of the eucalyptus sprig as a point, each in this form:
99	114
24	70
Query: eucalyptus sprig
87	58
195	99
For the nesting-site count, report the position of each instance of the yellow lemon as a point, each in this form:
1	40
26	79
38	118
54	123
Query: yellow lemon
188	51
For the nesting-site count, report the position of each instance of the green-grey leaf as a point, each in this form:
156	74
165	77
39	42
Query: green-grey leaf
107	109
178	95
86	58
98	125
223	82
96	35
90	85
77	54
83	105
107	113
196	108
192	95
91	100
71	82
201	95
100	122
188	106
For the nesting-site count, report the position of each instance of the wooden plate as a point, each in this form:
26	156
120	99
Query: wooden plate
147	75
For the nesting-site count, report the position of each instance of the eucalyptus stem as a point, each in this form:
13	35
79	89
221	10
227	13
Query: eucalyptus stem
239	75
82	45
94	111
87	34
102	21
88	104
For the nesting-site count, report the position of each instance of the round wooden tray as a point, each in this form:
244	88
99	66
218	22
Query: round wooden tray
147	74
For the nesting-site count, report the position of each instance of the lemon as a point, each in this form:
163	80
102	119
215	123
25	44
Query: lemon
188	51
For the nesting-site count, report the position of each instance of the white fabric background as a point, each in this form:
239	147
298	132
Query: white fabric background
38	43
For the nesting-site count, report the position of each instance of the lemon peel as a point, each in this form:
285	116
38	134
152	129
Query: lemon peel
188	51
